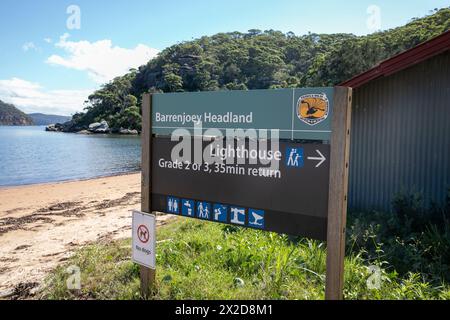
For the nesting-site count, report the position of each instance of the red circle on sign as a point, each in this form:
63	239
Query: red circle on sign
143	233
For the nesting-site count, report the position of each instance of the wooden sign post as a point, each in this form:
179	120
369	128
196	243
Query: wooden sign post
313	174
147	275
337	196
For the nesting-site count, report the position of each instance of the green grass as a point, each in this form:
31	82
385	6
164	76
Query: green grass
202	260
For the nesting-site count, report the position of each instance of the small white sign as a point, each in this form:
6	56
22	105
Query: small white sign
144	232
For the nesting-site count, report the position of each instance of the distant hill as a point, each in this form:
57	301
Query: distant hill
253	60
11	116
41	119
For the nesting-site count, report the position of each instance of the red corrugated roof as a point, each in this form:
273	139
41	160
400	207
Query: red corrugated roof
403	60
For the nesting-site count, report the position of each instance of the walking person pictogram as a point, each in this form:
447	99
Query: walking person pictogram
203	210
294	157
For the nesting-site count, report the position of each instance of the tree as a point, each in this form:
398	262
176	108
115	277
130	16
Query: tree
254	60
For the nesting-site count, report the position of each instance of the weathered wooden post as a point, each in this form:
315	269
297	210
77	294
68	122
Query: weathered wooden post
147	275
337	197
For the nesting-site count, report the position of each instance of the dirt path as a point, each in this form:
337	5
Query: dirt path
42	225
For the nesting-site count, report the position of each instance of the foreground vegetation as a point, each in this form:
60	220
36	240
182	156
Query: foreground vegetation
202	260
253	60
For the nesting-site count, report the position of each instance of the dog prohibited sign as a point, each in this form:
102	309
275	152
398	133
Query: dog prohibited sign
143	233
144	239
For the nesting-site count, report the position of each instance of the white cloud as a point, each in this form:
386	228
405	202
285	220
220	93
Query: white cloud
100	59
32	97
27	46
48	40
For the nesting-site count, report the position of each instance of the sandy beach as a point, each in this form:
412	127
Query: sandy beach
42	225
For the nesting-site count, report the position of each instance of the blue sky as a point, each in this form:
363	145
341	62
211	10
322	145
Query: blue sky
46	66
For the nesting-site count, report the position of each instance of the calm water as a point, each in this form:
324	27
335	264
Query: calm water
31	155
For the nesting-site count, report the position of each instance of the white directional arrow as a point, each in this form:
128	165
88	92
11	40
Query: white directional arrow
321	159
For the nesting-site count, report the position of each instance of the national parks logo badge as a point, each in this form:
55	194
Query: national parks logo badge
313	108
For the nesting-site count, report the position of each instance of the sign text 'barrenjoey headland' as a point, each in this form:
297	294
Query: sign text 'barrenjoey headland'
295	113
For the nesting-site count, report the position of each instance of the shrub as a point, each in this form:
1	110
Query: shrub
411	238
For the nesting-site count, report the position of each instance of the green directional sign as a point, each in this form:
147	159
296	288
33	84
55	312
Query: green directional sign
271	160
297	113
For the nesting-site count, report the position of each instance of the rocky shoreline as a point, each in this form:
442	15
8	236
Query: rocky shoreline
94	128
